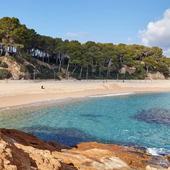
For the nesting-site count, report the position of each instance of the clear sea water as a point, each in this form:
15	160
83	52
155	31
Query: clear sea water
138	120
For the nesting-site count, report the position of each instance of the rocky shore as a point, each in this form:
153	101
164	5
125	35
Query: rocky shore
22	151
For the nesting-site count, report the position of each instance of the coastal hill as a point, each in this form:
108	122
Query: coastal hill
25	54
21	151
25	68
29	68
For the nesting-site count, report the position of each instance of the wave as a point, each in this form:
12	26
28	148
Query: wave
158	151
110	95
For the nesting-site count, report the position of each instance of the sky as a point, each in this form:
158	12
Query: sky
143	22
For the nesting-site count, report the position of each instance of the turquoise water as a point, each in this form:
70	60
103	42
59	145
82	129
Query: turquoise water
138	120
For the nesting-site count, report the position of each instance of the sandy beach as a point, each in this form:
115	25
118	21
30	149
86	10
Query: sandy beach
19	92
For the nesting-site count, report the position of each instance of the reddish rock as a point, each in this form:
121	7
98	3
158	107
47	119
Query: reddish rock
22	151
133	157
26	139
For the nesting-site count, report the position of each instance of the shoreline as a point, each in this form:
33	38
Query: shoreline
18	93
51	102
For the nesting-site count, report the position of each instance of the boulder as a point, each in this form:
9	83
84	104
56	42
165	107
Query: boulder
128	69
155	76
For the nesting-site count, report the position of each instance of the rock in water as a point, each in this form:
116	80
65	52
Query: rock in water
157	116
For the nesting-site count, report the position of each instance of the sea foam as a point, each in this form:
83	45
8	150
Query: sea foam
158	151
110	95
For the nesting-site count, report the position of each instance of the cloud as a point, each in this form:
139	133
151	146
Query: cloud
157	33
167	52
81	34
129	39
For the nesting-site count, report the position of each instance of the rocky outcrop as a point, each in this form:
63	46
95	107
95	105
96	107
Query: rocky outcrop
150	76
21	68
22	151
155	76
13	67
128	69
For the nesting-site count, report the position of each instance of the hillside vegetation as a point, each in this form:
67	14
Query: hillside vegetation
26	54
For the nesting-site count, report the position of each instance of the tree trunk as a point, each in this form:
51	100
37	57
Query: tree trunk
87	73
74	69
81	70
48	56
60	62
56	60
6	51
120	62
147	69
67	70
92	65
99	71
108	68
59	68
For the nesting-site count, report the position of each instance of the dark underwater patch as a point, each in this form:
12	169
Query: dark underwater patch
90	115
71	136
65	136
156	116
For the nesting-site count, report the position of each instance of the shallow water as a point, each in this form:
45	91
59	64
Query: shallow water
138	120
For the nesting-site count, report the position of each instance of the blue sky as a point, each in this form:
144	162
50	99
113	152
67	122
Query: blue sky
115	21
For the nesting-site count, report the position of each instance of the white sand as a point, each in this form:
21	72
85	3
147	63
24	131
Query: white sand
13	92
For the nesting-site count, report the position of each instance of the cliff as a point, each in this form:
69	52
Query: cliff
22	151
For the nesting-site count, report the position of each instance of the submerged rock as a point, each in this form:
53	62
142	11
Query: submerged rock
157	116
21	151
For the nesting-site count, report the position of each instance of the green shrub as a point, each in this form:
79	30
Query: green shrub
25	55
63	75
19	59
32	60
139	76
10	57
163	68
27	76
21	76
30	68
23	68
4	65
4	74
75	75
